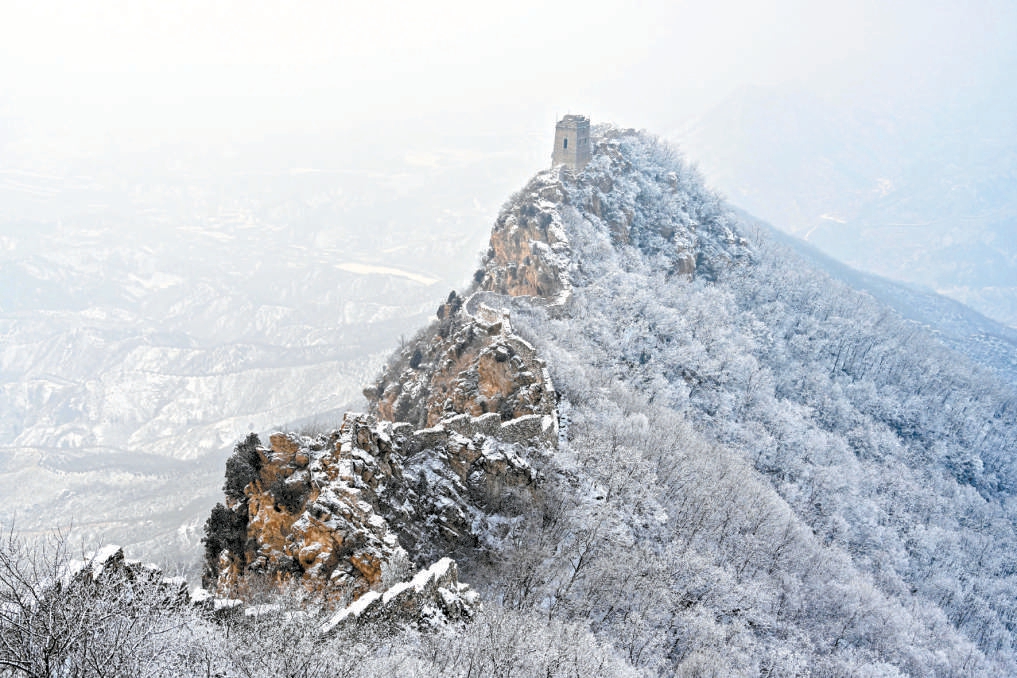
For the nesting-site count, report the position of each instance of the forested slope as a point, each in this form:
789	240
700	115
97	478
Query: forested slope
847	478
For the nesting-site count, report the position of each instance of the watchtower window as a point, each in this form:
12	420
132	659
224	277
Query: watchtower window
565	142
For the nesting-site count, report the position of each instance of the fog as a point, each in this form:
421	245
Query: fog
98	75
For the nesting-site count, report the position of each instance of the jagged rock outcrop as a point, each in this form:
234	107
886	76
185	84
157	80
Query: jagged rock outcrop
350	511
529	251
310	514
108	565
470	362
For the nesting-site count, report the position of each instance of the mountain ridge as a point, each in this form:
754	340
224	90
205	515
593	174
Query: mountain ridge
985	341
914	192
749	467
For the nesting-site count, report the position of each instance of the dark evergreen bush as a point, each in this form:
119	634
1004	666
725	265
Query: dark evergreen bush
242	467
224	529
290	496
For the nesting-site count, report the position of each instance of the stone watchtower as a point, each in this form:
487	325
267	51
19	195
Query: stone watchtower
572	142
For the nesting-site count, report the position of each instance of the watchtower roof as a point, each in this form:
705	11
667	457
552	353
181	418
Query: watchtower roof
573	121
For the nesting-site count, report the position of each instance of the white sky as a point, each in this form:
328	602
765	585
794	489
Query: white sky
181	64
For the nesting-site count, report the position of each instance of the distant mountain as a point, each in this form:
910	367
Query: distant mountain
920	193
984	341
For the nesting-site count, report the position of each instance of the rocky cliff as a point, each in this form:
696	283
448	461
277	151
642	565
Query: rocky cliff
355	509
461	410
469	362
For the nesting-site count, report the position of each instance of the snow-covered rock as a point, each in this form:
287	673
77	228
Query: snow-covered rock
433	596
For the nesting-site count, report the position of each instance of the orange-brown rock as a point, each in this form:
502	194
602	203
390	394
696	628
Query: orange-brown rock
332	514
310	512
468	364
528	251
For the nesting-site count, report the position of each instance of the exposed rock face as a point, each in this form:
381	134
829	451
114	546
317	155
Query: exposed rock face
529	252
310	515
340	514
467	364
348	512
